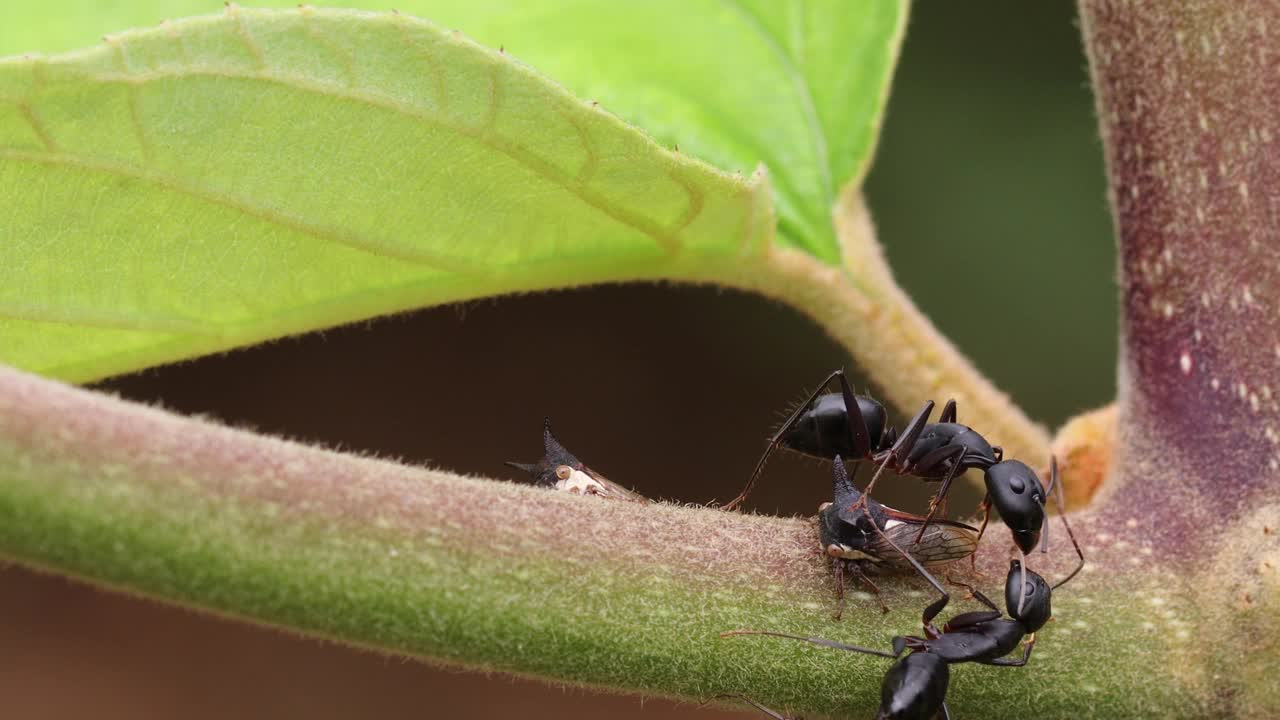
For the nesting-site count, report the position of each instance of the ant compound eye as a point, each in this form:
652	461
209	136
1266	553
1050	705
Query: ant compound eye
1017	484
564	472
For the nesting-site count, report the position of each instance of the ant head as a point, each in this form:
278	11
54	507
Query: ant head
1036	609
554	457
1016	492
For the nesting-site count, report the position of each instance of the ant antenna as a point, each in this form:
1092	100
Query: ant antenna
736	696
1022	592
1056	485
811	640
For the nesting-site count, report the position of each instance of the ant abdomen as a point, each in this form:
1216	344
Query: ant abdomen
822	428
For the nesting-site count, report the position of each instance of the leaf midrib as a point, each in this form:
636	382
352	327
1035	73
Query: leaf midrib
801	85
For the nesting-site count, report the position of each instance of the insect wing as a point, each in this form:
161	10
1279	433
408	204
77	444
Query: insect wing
943	542
604	487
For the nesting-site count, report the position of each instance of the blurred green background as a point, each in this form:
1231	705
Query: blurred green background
988	194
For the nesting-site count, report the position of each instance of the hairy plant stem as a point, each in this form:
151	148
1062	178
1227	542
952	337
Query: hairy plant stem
1189	107
498	576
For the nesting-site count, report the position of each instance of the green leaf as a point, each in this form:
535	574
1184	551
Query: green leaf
798	85
260	173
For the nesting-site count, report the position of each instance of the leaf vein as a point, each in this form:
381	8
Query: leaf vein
805	93
135	112
96	318
242	32
434	71
343	55
664	237
37	126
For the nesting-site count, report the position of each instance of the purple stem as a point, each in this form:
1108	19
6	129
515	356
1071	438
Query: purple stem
1189	106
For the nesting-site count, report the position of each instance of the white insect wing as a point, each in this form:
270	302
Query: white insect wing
580	483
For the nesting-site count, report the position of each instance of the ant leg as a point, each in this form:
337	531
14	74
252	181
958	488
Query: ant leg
979	596
946	714
811	640
771	713
969	619
948	412
1026	655
986	517
866	493
875	589
777	439
954	453
1056	485
839	570
931	611
901	447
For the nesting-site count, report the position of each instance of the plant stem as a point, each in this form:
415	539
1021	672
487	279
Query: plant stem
1189	108
497	576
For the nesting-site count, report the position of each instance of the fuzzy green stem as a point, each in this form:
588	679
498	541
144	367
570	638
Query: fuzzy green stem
498	576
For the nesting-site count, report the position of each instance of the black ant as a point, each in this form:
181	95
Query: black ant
826	425
870	537
560	470
916	686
